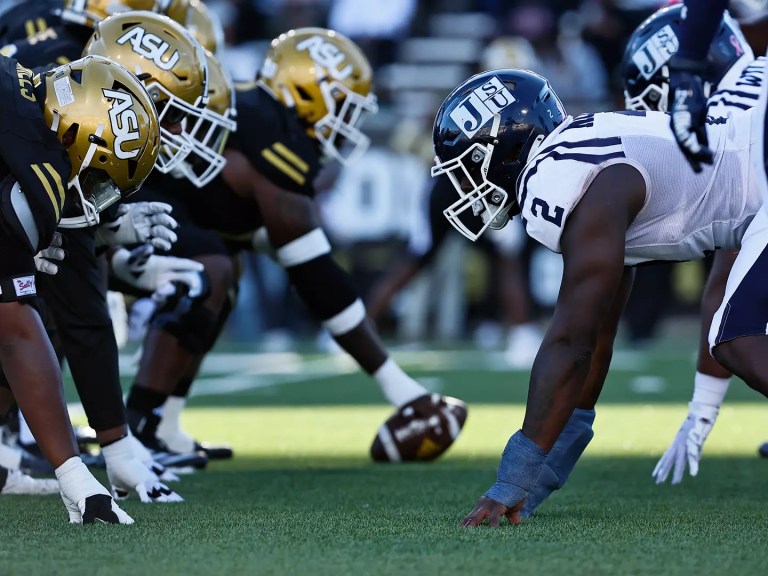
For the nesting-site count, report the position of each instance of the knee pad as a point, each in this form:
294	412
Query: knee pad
187	320
321	283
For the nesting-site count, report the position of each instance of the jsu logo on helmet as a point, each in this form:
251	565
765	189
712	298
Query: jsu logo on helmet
124	122
151	47
478	108
326	55
656	51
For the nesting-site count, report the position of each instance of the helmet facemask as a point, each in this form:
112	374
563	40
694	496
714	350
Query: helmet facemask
485	199
337	131
174	148
654	97
208	135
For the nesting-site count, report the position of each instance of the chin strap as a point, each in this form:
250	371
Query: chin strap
90	215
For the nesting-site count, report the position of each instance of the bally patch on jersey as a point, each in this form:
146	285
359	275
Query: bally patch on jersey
25	286
477	109
656	51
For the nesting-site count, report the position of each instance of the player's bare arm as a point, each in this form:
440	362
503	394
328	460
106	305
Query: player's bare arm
594	279
593	258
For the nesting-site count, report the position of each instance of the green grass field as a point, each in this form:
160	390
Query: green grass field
301	495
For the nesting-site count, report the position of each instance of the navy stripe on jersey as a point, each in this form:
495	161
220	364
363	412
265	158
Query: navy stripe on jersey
738	93
551	152
732	104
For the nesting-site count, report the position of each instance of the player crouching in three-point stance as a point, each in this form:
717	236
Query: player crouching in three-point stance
67	137
608	191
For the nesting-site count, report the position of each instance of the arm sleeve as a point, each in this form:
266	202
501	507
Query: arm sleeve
699	26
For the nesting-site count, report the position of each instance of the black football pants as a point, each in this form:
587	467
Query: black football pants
76	301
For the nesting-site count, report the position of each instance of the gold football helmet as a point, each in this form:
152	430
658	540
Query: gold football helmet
89	12
170	63
107	121
203	25
210	131
327	79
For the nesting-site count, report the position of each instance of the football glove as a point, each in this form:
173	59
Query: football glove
45	260
143	269
126	473
688	113
139	223
87	501
687	445
145	457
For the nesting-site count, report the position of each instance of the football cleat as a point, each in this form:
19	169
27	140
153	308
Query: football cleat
16	482
420	430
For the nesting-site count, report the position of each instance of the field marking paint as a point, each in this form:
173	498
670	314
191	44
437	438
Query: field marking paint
229	373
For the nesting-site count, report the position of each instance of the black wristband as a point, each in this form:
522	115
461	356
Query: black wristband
113	441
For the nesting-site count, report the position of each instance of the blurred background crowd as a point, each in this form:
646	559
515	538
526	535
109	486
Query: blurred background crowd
375	211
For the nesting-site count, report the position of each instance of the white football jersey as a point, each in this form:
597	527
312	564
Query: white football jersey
739	89
685	214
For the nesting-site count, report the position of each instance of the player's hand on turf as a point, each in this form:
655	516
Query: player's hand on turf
139	223
45	260
687	445
95	509
493	512
145	270
688	111
127	474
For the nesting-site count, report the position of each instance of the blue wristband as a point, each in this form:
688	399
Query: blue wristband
519	470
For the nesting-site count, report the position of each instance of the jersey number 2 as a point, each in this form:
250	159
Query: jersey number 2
556	216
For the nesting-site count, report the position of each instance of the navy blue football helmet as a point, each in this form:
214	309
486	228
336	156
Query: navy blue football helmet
645	69
484	133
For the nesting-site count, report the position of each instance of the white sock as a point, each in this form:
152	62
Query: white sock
396	385
709	390
172	408
10	458
76	481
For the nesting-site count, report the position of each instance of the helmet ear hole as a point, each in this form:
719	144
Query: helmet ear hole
306	96
69	137
514	153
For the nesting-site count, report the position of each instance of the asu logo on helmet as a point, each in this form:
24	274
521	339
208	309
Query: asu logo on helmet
327	79
101	111
171	65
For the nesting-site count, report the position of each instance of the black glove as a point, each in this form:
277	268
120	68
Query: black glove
688	110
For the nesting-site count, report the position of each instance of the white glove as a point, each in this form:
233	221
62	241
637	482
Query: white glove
138	223
53	252
85	499
145	457
687	445
127	473
143	269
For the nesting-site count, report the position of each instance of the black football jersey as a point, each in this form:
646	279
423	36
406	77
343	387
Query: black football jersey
274	140
29	150
277	145
55	46
27	18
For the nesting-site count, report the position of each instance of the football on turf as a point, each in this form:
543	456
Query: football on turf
421	430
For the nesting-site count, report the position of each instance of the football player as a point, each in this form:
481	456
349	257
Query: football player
606	191
737	78
311	92
176	78
63	150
